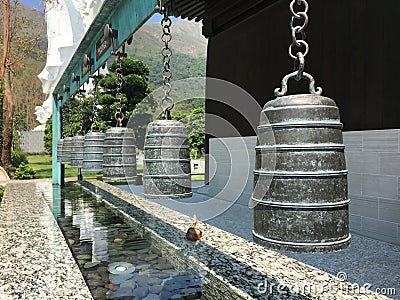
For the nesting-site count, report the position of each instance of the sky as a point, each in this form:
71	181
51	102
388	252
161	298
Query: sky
38	5
33	3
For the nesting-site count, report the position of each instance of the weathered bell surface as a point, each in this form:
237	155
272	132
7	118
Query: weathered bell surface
166	168
119	156
93	148
60	150
67	148
306	206
77	151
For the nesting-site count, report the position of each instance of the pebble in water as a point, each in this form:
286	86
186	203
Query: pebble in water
94	276
154	281
90	265
151	276
156	289
141	291
151	297
99	293
118	279
111	287
129	283
95	283
84	256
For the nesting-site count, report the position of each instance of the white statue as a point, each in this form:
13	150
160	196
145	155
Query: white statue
67	22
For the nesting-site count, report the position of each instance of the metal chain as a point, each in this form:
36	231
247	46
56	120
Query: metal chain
298	24
80	99
167	103
301	18
70	116
63	111
119	116
94	125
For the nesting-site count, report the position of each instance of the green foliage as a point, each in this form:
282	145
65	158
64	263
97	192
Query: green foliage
195	126
134	89
24	171
196	131
182	65
17	158
48	136
2	188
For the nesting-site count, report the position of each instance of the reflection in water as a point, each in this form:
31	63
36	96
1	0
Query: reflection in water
117	261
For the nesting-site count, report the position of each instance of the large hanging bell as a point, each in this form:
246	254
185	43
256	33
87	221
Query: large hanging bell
67	148
119	157
166	169
93	148
77	151
306	207
60	149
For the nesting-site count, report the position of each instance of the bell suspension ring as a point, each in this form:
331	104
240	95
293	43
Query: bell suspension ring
298	41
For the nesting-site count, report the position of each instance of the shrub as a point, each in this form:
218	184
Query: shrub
2	188
24	171
18	157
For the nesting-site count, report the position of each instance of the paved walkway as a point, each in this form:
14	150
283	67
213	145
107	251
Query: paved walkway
35	261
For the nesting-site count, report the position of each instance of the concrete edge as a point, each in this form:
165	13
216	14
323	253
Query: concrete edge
234	268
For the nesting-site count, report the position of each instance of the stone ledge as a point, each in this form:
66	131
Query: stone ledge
233	267
35	261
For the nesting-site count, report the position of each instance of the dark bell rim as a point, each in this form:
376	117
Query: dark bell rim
317	124
301	174
301	205
175	176
311	147
278	242
275	108
188	194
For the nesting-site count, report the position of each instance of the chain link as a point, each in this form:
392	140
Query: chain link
80	106
119	116
70	116
94	125
167	103
63	111
298	25
298	34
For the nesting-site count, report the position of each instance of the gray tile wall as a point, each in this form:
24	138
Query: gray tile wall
32	141
373	161
231	168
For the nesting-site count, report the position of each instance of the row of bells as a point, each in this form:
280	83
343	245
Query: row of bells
300	176
166	169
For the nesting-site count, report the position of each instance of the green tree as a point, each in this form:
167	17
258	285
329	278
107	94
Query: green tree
47	139
195	126
17	41
134	89
78	110
196	131
24	171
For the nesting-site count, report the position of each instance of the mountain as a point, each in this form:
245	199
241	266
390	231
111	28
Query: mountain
188	45
188	60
